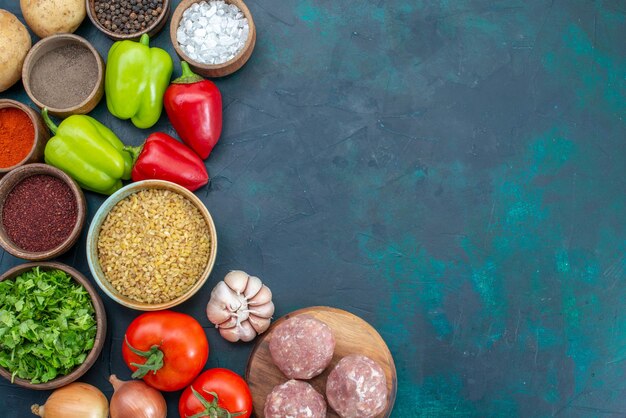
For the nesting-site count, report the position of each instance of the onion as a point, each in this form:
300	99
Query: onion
76	400
136	399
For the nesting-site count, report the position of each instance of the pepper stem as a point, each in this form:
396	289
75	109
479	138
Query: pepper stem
134	152
212	409
145	39
53	128
153	363
188	76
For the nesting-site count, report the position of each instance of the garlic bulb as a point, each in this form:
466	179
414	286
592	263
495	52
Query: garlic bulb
241	306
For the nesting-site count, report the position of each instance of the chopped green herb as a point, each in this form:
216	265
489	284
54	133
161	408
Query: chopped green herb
47	325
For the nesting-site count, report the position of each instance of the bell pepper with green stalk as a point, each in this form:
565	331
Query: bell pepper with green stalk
89	152
135	81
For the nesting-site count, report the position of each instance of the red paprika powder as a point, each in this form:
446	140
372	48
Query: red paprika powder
17	136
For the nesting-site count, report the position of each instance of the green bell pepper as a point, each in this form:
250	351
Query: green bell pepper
89	152
135	81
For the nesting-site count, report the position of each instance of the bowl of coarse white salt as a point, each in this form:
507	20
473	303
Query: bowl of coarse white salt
216	37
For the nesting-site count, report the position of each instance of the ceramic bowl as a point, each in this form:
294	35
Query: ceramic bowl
151	30
41	135
11	180
94	232
53	42
101	323
214	70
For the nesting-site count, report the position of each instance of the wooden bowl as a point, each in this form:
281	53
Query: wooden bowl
352	336
151	30
41	134
101	323
94	233
214	70
16	176
50	43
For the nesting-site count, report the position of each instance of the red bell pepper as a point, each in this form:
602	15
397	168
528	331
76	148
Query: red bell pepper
162	157
194	107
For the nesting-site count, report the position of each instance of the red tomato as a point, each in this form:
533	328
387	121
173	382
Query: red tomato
172	343
233	395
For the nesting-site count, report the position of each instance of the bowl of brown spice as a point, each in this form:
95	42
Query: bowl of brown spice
23	135
151	245
128	19
42	212
64	73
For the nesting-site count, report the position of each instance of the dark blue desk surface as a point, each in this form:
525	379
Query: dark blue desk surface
451	171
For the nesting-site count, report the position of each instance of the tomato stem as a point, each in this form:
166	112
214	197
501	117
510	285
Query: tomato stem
154	360
212	409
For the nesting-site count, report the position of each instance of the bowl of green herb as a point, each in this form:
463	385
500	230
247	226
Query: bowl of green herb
52	325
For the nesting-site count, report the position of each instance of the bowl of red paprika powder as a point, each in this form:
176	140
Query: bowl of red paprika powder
42	212
23	135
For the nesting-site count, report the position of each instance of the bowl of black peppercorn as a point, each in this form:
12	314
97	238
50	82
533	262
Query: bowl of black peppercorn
128	19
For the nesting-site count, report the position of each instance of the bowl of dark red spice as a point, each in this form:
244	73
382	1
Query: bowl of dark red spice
64	73
128	19
23	135
42	212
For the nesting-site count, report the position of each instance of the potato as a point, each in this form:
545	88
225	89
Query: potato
15	41
47	17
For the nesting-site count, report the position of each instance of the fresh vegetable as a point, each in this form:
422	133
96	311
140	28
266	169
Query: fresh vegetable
167	349
89	152
136	399
194	106
240	306
48	17
218	393
162	157
135	81
47	325
76	400
15	42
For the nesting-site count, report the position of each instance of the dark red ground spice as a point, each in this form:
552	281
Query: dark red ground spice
39	213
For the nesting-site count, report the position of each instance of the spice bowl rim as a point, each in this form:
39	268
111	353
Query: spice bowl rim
96	94
151	30
100	217
41	134
9	181
101	326
214	70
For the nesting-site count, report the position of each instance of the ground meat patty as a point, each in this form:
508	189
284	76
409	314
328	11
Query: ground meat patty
302	347
357	388
294	399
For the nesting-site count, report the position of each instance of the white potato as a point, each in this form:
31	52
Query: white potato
47	17
16	43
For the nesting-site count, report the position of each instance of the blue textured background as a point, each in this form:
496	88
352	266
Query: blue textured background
451	171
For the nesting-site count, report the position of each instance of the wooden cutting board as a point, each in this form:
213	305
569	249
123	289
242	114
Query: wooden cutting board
352	336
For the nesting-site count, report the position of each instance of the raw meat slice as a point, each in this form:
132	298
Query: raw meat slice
302	347
294	399
357	387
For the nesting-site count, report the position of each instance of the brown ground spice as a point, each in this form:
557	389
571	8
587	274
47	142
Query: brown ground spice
65	76
39	213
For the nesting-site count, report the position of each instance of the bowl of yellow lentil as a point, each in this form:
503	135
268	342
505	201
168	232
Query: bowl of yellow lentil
151	245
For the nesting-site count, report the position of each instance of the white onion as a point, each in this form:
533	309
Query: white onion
134	398
76	400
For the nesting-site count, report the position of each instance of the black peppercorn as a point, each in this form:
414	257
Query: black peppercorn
127	16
